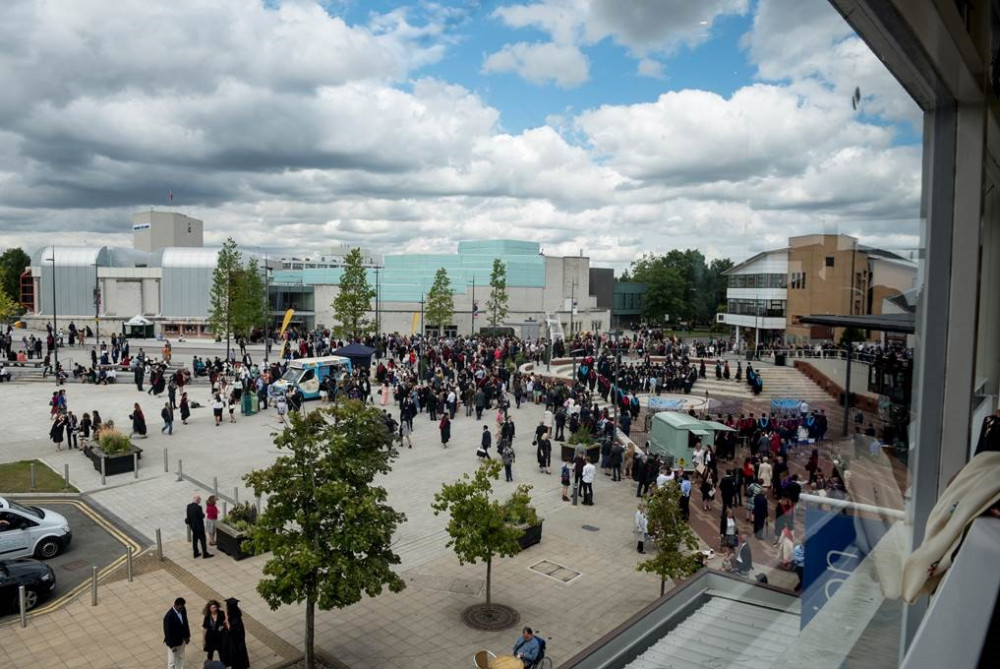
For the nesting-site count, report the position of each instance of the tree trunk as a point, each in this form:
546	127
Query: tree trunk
310	629
489	574
663	586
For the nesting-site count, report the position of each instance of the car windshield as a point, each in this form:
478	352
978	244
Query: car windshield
33	511
292	375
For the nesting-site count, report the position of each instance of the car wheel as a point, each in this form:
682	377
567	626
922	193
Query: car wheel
47	548
30	600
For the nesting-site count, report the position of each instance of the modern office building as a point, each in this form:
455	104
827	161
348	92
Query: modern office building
170	285
815	274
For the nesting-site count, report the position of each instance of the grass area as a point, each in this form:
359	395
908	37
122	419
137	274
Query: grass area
16	477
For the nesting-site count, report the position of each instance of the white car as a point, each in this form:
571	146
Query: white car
29	531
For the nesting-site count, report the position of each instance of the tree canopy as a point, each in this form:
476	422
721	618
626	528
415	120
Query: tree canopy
354	298
497	303
681	286
676	542
238	295
441	301
329	529
479	526
13	262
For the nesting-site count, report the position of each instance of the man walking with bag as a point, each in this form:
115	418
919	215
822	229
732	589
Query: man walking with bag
196	521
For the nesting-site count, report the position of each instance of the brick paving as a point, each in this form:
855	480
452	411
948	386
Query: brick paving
419	627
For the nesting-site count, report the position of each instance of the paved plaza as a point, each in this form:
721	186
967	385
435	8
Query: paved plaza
419	627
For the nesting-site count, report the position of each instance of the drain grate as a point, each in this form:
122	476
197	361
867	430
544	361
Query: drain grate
75	564
556	571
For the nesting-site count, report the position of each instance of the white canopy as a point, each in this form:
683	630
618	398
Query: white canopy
138	320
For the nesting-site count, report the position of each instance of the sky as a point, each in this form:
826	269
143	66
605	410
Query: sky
611	127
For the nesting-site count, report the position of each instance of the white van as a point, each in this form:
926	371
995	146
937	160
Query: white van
27	531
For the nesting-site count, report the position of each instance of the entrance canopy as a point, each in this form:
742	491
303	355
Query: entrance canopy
359	354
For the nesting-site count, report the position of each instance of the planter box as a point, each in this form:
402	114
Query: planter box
231	541
569	453
532	534
113	464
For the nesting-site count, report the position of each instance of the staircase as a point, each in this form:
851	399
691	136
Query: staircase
779	382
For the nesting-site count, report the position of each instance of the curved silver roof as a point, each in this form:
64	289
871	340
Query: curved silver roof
174	257
72	256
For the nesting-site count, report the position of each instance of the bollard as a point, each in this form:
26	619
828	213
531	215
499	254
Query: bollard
22	605
576	489
66	475
93	586
103	469
189	533
166	467
159	545
215	485
257	504
180	469
32	468
135	465
128	564
224	509
236	495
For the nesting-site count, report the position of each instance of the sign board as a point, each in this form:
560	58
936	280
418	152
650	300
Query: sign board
664	404
141	226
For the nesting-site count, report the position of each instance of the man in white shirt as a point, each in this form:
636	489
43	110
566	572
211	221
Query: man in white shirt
664	478
587	483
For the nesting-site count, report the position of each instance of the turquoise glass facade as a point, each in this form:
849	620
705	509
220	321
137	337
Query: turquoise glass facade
405	278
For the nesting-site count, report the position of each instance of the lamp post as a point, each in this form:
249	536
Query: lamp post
421	315
267	308
97	305
378	300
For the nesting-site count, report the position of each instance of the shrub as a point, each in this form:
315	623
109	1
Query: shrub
113	441
242	517
518	509
582	436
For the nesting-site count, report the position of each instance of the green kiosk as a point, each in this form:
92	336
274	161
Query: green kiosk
674	433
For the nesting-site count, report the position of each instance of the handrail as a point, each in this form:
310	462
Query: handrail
853	506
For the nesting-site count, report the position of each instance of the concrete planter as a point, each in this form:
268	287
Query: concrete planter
113	464
531	535
231	541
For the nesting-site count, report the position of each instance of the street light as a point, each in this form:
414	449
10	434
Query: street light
97	304
55	332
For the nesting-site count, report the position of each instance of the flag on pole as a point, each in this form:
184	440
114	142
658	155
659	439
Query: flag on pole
170	195
475	309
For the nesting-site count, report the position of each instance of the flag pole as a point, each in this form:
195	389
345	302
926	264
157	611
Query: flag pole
472	309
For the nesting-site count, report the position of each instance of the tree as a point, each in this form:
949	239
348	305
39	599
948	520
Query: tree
354	299
249	298
9	308
478	527
223	293
675	540
441	301
682	285
327	526
13	262
497	304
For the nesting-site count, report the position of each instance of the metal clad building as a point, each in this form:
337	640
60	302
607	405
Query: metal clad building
75	272
187	282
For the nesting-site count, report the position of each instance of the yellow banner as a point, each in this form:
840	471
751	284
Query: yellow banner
415	326
286	321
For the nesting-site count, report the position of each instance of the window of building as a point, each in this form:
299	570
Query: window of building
829	261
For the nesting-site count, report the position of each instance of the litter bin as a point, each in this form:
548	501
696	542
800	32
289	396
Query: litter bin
749	354
247	404
779	359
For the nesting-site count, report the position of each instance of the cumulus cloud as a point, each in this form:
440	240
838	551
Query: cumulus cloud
540	63
649	67
287	127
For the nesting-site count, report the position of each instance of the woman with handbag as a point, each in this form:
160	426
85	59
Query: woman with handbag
214	625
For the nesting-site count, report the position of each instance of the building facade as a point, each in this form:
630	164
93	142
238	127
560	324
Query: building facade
815	274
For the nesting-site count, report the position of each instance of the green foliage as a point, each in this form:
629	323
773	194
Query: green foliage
113	441
518	508
13	262
479	527
327	525
440	306
249	298
238	294
676	542
681	285
242	516
496	305
9	309
582	436
354	298
851	335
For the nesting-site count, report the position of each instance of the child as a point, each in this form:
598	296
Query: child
564	474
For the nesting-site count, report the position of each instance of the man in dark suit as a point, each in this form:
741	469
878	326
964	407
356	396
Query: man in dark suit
176	634
196	521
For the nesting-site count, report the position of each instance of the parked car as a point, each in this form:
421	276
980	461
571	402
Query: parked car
37	578
27	531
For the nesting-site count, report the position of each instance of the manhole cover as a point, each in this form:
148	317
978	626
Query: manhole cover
75	564
490	618
591	528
